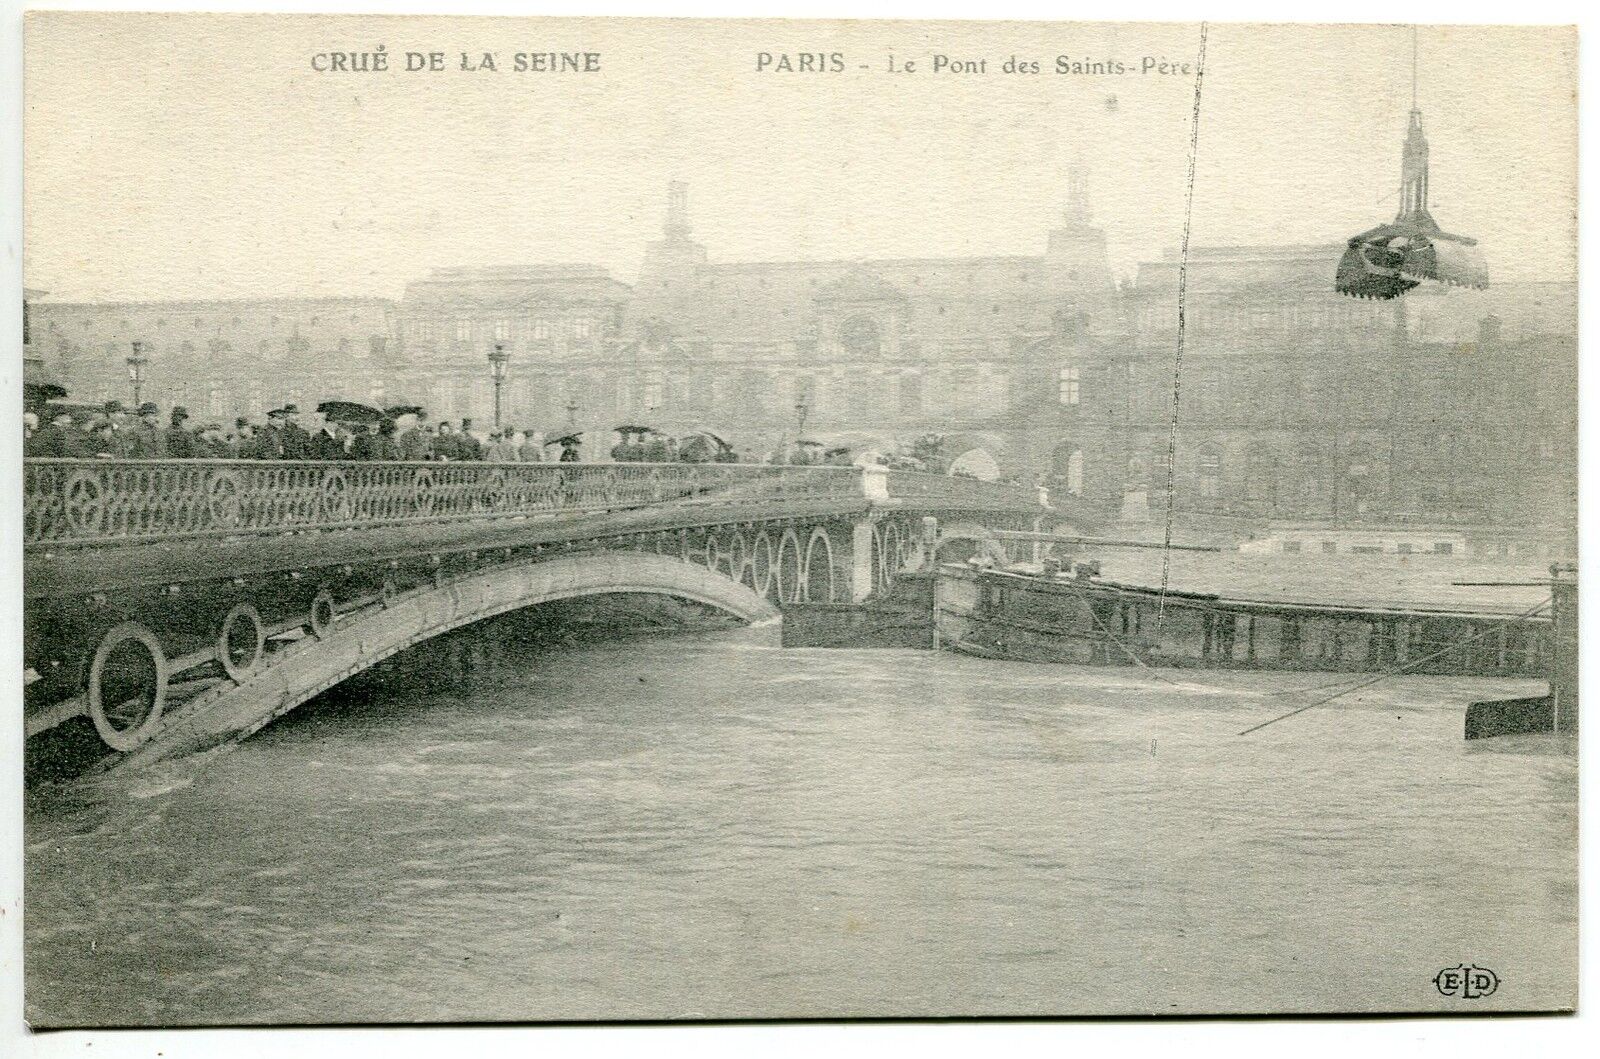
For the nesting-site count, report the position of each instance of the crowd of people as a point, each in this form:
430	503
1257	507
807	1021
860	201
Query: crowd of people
402	433
115	432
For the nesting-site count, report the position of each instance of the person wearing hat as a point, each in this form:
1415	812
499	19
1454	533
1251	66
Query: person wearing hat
180	441
294	443
385	447
498	450
445	446
569	449
102	439
413	440
363	442
530	447
211	443
59	439
471	448
146	439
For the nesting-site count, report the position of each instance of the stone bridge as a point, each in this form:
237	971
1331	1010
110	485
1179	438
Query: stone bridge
179	603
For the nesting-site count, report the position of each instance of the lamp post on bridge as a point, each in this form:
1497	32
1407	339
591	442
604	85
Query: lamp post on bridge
572	412
498	357
136	363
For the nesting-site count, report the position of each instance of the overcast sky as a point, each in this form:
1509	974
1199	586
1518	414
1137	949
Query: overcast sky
201	156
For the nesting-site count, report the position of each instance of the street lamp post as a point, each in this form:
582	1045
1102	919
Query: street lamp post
572	411
800	411
497	364
136	362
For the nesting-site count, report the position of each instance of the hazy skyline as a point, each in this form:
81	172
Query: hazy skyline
201	157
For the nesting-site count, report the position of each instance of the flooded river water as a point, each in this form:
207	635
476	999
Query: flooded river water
709	826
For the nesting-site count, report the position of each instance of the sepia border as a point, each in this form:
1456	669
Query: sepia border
1231	1037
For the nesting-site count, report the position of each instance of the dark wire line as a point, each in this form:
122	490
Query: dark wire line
1389	673
1177	361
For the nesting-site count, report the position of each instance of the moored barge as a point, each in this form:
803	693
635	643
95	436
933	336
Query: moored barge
1052	616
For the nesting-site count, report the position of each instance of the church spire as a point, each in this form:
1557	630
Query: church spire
677	226
1077	211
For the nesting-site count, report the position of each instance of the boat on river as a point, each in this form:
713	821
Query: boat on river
1051	615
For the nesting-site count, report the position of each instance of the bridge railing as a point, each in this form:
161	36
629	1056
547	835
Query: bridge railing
93	502
71	502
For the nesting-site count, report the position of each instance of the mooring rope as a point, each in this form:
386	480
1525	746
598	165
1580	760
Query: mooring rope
1177	361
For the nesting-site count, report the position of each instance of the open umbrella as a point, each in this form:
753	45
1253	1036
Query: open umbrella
395	411
35	394
349	412
715	438
810	443
634	428
566	439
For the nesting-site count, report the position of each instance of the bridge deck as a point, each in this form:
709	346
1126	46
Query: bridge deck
94	525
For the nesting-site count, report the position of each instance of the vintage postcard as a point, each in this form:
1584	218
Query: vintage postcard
540	520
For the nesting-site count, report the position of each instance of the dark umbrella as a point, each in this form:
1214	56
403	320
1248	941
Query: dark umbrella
35	394
398	410
714	437
633	428
808	441
566	439
349	412
840	451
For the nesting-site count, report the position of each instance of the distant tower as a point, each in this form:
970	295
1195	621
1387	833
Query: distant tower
677	226
667	291
1076	264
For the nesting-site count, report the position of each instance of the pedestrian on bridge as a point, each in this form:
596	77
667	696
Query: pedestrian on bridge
60	439
179	442
530	447
148	439
293	442
502	449
415	440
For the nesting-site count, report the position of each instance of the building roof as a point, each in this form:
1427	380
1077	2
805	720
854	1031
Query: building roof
516	286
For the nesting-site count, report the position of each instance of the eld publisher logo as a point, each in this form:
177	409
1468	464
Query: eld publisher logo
1466	981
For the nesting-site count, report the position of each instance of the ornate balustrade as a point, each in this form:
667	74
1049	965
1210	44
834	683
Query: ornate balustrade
95	502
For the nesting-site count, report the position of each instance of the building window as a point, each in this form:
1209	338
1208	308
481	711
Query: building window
1210	474
1068	385
1075	473
541	330
581	328
1291	547
910	395
502	330
463	329
652	394
1443	548
1332	548
1403	548
422	329
860	336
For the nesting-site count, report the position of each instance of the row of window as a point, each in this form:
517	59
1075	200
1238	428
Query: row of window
500	330
200	323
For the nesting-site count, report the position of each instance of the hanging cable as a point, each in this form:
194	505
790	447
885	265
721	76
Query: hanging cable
1177	360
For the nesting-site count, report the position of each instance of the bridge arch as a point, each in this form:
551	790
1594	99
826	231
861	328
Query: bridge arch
818	572
363	639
